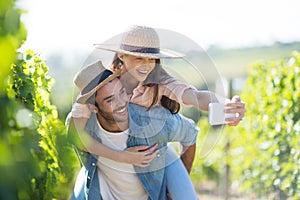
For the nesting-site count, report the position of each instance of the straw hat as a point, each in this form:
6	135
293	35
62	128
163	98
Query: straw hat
140	41
92	77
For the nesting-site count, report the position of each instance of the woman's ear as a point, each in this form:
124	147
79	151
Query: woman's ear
120	56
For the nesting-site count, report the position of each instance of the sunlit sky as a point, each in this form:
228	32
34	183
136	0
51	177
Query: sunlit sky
54	25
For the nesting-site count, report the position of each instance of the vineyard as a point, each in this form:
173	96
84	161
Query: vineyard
260	157
263	152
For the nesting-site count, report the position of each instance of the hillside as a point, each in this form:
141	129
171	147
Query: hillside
235	62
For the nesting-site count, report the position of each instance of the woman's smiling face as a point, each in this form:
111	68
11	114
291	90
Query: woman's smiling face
139	67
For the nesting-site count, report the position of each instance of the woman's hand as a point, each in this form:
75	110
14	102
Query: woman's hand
82	110
140	156
236	107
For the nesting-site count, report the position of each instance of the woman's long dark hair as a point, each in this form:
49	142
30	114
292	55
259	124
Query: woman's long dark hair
151	81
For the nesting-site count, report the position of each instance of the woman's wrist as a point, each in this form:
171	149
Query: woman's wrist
80	111
119	156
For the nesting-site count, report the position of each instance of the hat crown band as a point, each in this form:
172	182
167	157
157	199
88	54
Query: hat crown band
138	49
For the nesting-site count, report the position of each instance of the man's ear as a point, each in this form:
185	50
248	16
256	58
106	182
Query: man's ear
94	109
120	56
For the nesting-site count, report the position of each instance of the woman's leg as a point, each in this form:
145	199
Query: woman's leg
178	181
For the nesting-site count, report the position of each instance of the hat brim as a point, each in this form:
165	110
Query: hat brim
163	53
82	98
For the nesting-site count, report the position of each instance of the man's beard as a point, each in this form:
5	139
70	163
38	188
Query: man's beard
112	117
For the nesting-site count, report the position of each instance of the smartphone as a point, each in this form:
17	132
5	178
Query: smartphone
216	114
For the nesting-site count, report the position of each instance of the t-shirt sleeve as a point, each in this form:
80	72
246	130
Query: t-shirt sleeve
182	130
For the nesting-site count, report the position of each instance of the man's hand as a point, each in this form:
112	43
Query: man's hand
140	156
238	108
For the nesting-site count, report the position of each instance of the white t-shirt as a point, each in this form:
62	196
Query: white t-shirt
118	180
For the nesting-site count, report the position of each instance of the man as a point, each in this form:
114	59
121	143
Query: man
119	124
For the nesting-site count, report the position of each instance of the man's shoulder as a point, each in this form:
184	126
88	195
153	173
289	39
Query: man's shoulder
133	107
155	111
148	122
